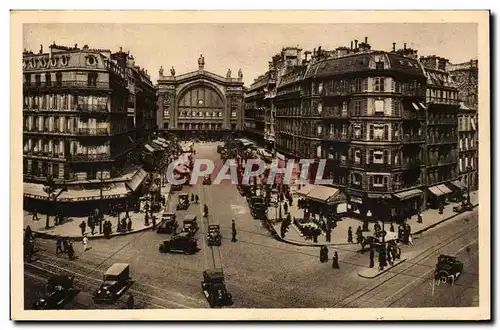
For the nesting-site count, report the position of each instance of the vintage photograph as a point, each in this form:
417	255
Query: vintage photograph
248	165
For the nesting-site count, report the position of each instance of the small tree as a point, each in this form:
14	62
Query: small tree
49	188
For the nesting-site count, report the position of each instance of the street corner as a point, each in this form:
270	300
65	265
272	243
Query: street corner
372	273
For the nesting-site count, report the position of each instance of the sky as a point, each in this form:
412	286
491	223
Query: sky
248	46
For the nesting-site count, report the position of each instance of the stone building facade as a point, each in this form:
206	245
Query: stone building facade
442	134
363	111
464	76
75	127
200	103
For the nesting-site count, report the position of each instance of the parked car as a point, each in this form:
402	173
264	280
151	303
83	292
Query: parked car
60	289
115	281
190	225
168	224
464	207
214	288
181	243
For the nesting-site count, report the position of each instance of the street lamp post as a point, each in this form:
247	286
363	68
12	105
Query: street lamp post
469	170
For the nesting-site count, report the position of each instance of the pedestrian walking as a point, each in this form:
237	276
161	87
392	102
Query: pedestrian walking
381	260
119	226
285	207
130	302
146	219
326	253
335	260
233	232
205	211
59	245
85	242
92	225
71	251
322	254
410	239
349	235
123	225
129	225
83	226
196	199
192	198
372	258
35	216
28	233
65	245
419	218
389	257
392	227
154	222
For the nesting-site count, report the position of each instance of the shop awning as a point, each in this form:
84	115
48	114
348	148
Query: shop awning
149	148
408	194
305	189
34	190
137	179
458	184
325	194
115	190
444	189
436	191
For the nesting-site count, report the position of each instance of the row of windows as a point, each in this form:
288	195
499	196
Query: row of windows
370	84
66	102
49	81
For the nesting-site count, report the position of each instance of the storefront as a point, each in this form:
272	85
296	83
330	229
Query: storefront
408	203
458	190
437	195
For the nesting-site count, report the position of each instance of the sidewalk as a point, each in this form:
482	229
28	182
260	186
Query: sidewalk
430	219
71	230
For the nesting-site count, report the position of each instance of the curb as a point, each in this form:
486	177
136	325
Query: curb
385	270
98	236
440	222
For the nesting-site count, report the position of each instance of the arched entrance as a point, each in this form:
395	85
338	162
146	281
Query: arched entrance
201	111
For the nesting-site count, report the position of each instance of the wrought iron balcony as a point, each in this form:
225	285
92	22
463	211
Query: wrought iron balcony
66	84
90	157
412	138
92	107
93	131
336	137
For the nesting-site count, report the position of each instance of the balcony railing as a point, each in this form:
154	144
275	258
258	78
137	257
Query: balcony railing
442	139
443	161
336	137
67	84
59	155
413	115
378	167
412	138
92	107
93	131
400	186
334	114
441	100
91	157
442	121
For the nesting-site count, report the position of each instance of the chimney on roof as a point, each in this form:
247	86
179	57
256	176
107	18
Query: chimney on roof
351	44
366	40
120	49
76	46
393	46
355	44
404	46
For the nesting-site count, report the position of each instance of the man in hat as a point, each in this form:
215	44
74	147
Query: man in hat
335	260
349	235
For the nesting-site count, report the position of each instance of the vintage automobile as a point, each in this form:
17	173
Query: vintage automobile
448	268
168	224
214	288
214	238
189	225
375	239
183	201
259	210
207	180
181	243
60	289
464	207
115	281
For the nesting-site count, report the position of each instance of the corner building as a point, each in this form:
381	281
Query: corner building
364	111
75	129
200	103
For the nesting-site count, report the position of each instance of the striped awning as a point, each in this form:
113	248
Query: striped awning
115	190
458	184
444	189
137	179
408	194
436	191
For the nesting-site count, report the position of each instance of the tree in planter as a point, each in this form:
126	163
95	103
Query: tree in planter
49	188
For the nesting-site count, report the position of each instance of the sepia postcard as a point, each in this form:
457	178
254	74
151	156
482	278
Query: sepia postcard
259	165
